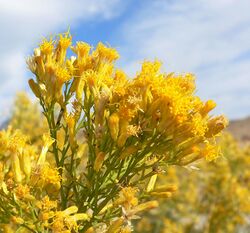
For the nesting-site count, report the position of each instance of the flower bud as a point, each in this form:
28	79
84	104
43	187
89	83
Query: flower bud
144	206
113	123
99	161
151	183
115	226
161	194
16	168
128	151
48	141
70	210
26	164
208	106
166	188
216	125
34	87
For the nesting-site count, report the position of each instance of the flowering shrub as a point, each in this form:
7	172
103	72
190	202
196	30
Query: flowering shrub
27	118
214	198
109	138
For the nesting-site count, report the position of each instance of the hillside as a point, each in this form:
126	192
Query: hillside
240	129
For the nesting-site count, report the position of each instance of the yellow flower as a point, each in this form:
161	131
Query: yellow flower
16	168
128	151
17	220
62	75
70	119
46	204
115	226
46	47
99	161
63	43
216	125
25	162
127	197
126	229
210	152
17	142
166	188
151	183
161	194
66	220
103	52
208	106
113	123
22	192
45	176
35	88
48	141
64	40
81	49
144	206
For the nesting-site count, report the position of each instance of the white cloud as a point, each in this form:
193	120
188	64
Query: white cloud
210	38
23	23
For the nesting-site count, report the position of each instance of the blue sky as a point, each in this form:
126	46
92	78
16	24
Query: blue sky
210	38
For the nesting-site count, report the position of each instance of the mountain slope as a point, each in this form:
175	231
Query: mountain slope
240	129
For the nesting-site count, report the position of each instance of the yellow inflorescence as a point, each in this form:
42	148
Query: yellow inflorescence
109	138
214	199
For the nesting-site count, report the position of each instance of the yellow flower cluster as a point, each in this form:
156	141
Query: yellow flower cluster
26	117
163	102
213	199
109	139
26	179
